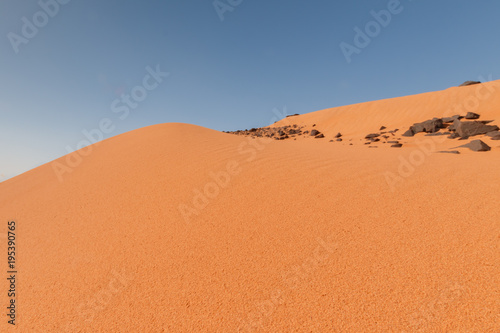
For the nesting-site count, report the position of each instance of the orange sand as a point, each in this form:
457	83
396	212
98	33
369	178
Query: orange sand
300	236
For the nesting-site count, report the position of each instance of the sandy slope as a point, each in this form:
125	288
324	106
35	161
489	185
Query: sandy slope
298	236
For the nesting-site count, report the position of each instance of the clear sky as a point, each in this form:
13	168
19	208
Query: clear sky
67	65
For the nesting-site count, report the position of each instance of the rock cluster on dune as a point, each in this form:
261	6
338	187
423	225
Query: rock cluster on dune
463	129
383	136
457	126
277	133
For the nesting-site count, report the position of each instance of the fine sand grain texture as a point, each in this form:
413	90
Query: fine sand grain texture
179	228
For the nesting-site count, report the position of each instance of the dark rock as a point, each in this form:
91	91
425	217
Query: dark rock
375	139
319	136
470	128
437	133
338	135
449	152
372	135
472	115
451	119
409	133
476	145
393	142
397	145
372	147
469	83
382	128
314	133
292	115
339	139
453	127
428	126
330	141
493	133
314	125
453	136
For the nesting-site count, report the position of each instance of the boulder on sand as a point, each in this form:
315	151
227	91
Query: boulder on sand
428	126
472	115
469	83
476	145
314	132
372	136
449	152
467	129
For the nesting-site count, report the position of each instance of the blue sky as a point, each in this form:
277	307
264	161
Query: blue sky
223	74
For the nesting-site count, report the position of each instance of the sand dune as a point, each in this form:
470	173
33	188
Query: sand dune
179	228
